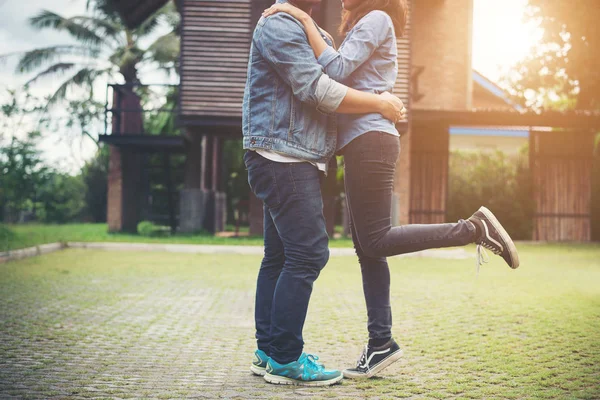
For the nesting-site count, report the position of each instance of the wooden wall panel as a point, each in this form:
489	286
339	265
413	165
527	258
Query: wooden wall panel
215	45
428	173
561	166
402	87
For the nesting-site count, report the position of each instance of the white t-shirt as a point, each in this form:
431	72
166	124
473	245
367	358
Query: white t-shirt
282	158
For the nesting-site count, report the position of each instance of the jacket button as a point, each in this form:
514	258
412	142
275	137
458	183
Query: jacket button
253	141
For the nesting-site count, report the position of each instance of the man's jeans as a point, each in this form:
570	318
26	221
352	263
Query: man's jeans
296	249
370	166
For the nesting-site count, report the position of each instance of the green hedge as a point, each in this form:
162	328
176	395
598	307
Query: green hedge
6	238
149	229
596	192
498	181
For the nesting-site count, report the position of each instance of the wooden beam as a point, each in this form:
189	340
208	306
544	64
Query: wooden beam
579	120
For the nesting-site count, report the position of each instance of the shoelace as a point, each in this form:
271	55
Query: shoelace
481	256
312	362
363	357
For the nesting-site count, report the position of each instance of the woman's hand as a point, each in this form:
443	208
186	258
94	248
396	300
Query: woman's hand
392	107
287	8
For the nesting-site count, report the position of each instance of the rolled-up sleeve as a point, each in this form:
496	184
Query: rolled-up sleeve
330	94
283	44
327	56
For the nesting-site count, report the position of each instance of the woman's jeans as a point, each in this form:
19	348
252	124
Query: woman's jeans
370	169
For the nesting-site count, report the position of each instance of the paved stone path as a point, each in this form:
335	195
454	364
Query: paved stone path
84	323
139	328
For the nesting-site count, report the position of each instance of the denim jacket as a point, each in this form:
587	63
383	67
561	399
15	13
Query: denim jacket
288	98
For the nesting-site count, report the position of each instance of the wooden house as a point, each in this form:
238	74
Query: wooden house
436	83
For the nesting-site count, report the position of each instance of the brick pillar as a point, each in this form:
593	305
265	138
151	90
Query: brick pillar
124	170
441	43
114	213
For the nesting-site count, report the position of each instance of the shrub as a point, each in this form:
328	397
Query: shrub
596	192
498	181
147	228
6	236
150	229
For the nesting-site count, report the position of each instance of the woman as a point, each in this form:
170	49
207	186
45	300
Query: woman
367	61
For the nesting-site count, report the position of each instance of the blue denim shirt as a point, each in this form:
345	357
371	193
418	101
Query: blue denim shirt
367	61
288	97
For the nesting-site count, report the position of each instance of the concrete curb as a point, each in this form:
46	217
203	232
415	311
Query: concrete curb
169	248
457	253
31	252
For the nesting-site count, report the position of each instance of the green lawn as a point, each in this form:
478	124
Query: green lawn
84	323
34	234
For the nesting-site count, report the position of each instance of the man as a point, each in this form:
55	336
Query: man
290	135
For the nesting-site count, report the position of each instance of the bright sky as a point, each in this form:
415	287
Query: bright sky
500	38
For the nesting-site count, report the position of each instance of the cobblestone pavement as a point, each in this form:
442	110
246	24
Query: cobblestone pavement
95	324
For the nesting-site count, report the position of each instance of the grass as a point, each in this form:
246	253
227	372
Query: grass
101	324
29	235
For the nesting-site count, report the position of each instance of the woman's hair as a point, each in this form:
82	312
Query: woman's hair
396	9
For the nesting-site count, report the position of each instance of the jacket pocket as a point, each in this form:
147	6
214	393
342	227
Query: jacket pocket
296	121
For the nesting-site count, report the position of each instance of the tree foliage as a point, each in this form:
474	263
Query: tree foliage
22	173
61	198
105	48
95	179
564	67
32	189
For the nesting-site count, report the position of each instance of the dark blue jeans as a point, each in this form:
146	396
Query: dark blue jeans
370	170
296	249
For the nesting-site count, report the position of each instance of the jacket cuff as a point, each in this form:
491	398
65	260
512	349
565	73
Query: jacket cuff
327	56
329	94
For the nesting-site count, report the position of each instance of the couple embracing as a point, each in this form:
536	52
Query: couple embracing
304	101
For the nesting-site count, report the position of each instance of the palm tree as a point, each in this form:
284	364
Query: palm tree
106	47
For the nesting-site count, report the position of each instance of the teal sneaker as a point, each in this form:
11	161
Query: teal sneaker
259	364
304	372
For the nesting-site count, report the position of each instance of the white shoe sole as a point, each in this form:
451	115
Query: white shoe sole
282	380
512	249
376	368
258	370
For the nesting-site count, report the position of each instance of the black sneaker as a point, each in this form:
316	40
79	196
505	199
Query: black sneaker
374	359
493	237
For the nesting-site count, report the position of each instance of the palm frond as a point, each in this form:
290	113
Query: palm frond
103	27
36	58
172	16
84	77
82	33
149	25
105	8
125	56
165	49
4	57
53	69
167	14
